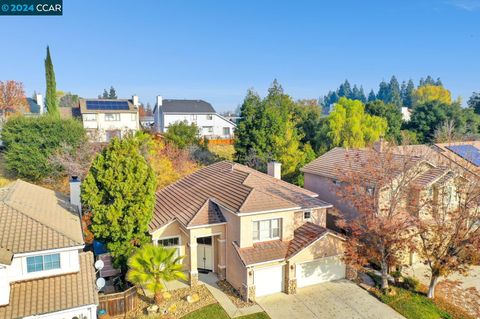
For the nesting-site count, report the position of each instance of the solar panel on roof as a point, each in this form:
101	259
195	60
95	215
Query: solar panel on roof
468	152
107	105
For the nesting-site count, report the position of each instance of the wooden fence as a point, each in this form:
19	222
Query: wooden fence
227	141
120	303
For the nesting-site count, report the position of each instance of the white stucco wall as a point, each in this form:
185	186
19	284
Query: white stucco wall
69	263
88	312
217	123
127	122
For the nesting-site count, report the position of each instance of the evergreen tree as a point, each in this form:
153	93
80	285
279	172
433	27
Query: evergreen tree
329	99
51	94
247	126
119	190
383	92
345	90
474	102
394	92
105	94
358	94
407	94
112	94
371	96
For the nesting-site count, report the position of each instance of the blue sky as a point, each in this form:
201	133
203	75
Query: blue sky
216	50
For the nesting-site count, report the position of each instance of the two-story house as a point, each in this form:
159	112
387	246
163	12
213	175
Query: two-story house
43	271
261	234
211	124
413	184
105	119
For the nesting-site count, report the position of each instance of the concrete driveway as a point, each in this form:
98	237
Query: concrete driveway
338	299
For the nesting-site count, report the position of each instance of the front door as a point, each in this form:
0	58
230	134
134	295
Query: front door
205	253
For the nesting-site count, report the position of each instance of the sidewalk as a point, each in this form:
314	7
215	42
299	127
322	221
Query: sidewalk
210	281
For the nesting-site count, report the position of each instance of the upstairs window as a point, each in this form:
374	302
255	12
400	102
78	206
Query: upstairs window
112	117
307	215
208	129
209	117
266	229
89	117
226	131
45	262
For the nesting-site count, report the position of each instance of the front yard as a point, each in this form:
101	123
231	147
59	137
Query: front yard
413	303
217	312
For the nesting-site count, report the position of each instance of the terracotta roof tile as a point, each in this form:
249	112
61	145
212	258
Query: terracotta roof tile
229	185
51	294
34	218
277	249
209	213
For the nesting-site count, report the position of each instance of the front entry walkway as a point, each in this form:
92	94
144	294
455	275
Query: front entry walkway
331	300
210	281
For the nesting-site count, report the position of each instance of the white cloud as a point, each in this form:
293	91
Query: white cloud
468	5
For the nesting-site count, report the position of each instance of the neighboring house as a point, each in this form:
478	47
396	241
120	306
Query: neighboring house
36	106
425	181
43	271
261	234
147	121
462	157
211	124
406	114
105	119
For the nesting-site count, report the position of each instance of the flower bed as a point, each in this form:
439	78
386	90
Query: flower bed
177	305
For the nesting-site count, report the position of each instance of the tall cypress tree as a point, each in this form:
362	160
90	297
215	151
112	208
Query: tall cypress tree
51	94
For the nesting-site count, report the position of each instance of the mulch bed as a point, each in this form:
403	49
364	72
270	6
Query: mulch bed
233	294
467	299
178	300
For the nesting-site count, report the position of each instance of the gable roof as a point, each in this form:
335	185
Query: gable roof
186	106
51	294
268	251
209	213
229	185
33	218
339	161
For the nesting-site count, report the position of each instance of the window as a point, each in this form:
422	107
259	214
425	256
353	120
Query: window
112	117
134	116
209	129
370	190
45	262
89	117
226	131
193	117
168	242
266	229
209	117
337	182
307	214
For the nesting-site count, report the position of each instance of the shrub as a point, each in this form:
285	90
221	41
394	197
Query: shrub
30	141
410	283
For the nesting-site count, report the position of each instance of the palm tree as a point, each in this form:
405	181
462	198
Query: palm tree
151	266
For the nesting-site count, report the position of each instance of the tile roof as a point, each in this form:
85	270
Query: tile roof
430	176
209	213
51	294
230	185
34	218
280	250
340	161
6	256
186	106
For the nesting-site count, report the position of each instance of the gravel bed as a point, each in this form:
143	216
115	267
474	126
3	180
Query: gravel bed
178	301
233	294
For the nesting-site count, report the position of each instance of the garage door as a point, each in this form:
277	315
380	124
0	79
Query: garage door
319	270
268	280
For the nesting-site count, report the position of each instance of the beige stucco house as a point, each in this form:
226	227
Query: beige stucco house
261	234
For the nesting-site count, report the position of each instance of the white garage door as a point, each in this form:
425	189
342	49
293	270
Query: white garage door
319	270
268	280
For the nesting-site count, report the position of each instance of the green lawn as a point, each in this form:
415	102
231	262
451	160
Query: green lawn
217	312
413	305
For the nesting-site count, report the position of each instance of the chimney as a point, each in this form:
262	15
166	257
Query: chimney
380	145
135	101
75	192
274	169
40	103
159	100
